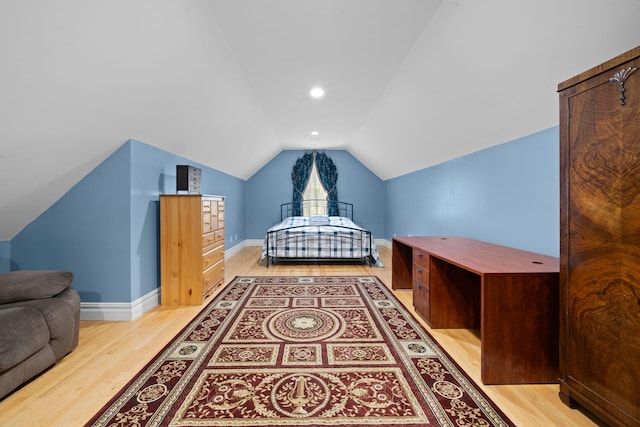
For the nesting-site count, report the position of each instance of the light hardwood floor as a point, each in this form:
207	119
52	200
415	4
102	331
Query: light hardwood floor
111	353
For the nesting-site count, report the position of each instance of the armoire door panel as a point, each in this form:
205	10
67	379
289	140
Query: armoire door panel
600	240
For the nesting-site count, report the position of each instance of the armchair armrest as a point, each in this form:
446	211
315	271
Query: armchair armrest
22	285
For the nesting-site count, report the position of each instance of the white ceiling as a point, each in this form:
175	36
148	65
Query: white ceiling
350	48
410	83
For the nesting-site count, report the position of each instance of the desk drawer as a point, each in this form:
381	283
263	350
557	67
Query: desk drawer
421	288
421	258
420	274
421	300
420	279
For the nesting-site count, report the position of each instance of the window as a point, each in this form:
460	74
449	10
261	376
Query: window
314	195
315	177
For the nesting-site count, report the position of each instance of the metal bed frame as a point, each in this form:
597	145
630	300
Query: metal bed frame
343	208
357	238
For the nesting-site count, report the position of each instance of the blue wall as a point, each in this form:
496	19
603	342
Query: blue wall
271	186
105	229
507	194
5	257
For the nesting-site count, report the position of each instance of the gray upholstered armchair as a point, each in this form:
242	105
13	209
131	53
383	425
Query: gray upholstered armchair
39	323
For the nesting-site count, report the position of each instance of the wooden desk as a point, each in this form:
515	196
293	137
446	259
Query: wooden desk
509	294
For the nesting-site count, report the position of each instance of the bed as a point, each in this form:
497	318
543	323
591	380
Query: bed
316	236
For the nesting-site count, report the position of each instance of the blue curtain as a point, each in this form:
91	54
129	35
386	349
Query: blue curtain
328	174
300	177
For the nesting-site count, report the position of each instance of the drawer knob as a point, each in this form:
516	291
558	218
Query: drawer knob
419	285
419	254
419	270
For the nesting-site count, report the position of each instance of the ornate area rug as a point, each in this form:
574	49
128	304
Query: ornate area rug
309	351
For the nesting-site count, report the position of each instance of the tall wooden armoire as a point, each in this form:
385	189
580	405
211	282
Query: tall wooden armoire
600	240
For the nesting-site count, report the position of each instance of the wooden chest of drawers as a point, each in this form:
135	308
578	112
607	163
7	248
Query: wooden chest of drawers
191	247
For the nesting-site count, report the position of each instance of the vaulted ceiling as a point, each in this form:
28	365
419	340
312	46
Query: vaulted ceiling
409	83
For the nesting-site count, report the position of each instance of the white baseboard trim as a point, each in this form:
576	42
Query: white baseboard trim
232	251
119	311
384	242
254	242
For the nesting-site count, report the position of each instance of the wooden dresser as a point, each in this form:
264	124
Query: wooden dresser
600	240
191	247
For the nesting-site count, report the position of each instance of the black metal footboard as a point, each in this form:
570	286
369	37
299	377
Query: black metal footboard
315	244
316	206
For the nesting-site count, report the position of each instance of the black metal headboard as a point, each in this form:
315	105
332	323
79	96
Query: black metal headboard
343	208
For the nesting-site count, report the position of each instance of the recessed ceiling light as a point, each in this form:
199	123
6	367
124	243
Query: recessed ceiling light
315	134
317	92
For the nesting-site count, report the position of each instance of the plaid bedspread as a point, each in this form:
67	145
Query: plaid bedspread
322	238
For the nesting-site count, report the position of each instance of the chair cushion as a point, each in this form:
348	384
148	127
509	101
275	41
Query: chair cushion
22	285
23	332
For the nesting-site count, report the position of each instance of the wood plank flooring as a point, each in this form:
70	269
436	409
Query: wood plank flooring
111	353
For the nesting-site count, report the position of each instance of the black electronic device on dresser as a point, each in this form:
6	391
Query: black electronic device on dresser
188	179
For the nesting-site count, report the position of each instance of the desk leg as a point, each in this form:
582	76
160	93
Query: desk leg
401	266
519	329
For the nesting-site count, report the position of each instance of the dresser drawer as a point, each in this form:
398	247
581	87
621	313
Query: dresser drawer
207	222
208	239
212	277
219	236
212	257
220	219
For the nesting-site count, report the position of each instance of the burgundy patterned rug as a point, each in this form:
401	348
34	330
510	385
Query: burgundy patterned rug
309	351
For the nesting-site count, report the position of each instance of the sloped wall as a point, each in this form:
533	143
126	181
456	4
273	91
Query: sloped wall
105	229
507	194
86	232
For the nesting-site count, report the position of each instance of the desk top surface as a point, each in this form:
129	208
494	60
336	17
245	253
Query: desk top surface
482	257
